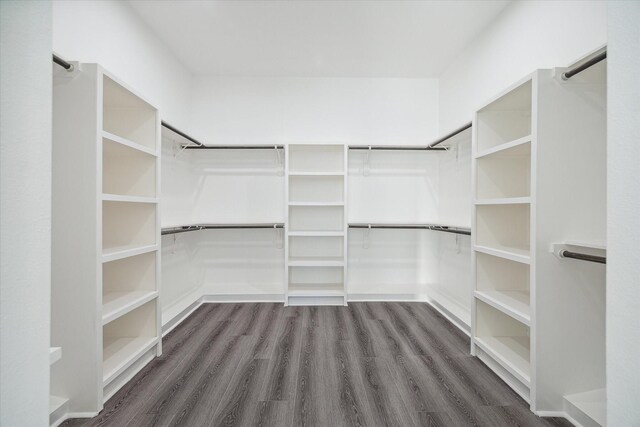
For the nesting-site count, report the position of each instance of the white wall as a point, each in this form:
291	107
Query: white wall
623	210
526	36
25	211
111	34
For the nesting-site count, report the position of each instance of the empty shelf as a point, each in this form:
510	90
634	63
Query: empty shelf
511	303
112	254
116	304
114	138
592	404
119	353
316	233
510	352
316	203
328	173
318	261
319	290
56	402
511	253
516	145
55	354
504	201
130	199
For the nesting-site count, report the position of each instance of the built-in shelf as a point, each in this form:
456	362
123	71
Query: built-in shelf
504	147
119	353
55	354
320	174
316	261
119	303
316	203
512	353
320	290
113	254
504	201
514	254
55	403
316	233
128	199
512	303
114	138
591	404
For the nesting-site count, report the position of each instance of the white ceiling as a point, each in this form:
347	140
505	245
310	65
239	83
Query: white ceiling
317	38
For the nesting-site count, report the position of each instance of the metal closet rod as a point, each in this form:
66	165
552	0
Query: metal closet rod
583	257
433	227
200	146
431	147
197	227
580	68
61	62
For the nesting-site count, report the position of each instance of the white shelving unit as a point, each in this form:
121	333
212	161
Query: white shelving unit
534	316
106	235
315	244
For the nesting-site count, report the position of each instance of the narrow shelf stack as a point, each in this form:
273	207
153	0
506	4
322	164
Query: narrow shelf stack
315	247
106	144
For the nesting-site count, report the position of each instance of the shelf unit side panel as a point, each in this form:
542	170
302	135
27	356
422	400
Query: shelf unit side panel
76	239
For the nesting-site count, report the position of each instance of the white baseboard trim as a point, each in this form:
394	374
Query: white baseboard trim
235	298
386	298
559	414
459	323
177	319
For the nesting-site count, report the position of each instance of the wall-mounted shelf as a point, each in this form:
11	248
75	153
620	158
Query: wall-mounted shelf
513	303
119	303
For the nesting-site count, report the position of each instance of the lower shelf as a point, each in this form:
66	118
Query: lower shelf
511	352
120	353
323	290
119	303
511	303
588	408
57	410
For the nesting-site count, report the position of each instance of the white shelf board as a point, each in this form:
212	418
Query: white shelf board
503	147
316	203
511	353
589	245
318	173
513	254
113	254
56	402
316	261
55	354
319	290
504	201
511	303
119	353
129	199
134	145
592	403
316	233
116	304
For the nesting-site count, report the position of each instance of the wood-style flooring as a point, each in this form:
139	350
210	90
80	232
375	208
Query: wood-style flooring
368	364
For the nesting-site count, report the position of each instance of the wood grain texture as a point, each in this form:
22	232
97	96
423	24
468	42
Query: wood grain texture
368	364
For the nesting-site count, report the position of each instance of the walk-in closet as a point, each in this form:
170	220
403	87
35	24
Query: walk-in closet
320	213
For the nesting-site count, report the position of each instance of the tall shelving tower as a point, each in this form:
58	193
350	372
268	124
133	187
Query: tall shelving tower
106	236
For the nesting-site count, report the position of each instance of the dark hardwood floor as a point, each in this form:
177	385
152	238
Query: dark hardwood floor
368	364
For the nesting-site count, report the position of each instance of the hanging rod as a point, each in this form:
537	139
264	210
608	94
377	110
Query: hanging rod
197	227
395	148
61	62
580	68
235	147
584	257
182	134
449	135
433	227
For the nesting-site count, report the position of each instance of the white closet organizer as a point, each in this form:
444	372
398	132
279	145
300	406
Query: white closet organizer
316	241
531	309
106	234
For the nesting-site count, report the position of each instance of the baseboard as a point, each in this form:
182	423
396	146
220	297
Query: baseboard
558	414
232	298
177	319
386	298
457	322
